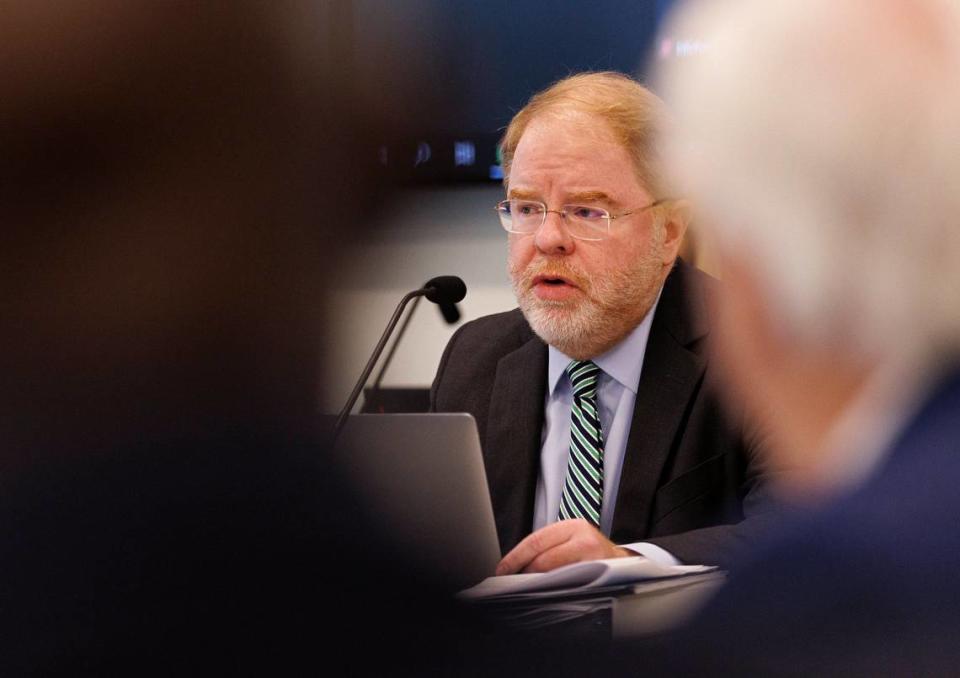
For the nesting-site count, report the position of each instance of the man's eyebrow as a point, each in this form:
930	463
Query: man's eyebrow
572	199
590	196
520	194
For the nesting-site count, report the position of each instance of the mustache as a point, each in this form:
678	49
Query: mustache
523	276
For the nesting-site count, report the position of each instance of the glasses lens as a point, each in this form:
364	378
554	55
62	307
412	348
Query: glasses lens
587	223
521	216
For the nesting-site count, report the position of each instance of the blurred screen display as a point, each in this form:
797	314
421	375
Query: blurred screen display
472	64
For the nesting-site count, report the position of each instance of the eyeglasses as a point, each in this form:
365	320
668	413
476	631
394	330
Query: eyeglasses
583	221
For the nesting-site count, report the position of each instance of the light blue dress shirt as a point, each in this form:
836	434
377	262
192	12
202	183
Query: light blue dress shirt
616	395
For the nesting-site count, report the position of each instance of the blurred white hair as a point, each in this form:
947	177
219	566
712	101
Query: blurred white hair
822	140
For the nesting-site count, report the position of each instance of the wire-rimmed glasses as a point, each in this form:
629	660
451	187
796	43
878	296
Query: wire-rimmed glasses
584	222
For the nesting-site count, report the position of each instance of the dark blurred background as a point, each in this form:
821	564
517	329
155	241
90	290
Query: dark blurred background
470	66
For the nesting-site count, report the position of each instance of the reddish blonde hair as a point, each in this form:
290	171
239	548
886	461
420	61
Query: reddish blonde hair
633	113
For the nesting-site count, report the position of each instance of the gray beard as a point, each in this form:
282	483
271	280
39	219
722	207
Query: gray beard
609	309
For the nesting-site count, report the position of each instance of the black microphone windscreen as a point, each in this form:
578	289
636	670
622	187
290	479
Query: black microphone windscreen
445	289
450	312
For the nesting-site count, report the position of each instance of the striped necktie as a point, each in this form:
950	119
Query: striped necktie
583	488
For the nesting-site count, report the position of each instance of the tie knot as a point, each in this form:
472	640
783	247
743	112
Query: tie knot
583	378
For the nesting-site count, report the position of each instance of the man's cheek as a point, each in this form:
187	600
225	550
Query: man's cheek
518	257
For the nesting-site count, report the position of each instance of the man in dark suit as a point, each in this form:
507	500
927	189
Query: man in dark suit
643	455
827	165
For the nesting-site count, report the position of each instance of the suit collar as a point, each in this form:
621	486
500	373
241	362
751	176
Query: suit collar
683	311
671	375
512	442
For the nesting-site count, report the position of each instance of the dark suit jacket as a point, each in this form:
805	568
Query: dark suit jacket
688	473
867	586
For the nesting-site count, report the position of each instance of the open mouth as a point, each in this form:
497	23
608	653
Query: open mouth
554	288
552	281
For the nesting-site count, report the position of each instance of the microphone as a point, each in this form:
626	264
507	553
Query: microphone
450	313
442	290
447	291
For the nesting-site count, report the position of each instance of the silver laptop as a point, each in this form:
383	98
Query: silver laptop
421	477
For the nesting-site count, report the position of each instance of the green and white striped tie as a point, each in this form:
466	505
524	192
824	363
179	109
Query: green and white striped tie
583	488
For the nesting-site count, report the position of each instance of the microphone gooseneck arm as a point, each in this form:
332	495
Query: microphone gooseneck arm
393	348
444	291
351	401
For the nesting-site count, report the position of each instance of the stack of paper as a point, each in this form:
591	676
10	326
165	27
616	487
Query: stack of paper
578	577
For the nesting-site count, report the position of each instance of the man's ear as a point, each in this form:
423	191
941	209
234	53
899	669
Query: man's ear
676	217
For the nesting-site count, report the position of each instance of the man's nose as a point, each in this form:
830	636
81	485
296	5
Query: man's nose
553	237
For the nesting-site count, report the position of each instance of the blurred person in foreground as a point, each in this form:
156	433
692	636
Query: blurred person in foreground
602	432
166	179
820	141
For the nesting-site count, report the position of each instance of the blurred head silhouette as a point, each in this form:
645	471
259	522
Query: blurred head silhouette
166	171
819	140
162	174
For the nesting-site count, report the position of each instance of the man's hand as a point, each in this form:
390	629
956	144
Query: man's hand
561	543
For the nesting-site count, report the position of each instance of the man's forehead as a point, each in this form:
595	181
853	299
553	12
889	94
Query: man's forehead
570	123
576	154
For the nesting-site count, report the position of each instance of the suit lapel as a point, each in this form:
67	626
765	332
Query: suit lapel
512	441
671	373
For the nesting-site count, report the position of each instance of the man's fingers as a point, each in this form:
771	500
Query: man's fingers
558	556
584	542
539	542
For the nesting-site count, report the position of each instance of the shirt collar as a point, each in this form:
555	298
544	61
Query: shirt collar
623	362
